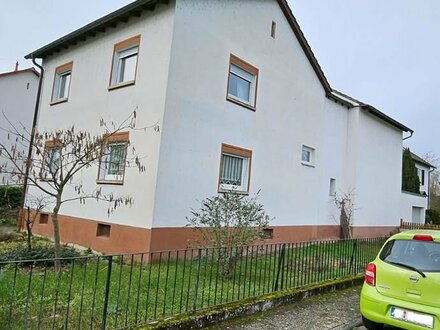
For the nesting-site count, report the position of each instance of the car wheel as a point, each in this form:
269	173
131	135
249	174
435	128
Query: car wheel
370	325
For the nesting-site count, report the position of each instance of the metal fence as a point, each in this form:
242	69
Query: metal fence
122	291
415	225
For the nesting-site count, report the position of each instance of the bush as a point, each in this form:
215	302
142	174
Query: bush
432	216
10	197
37	253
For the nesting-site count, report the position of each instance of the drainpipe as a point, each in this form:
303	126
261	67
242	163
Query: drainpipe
31	141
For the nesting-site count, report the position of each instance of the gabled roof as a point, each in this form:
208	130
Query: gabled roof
137	7
32	70
420	160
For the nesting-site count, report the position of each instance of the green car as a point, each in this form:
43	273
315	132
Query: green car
402	285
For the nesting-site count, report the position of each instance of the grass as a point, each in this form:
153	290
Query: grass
154	286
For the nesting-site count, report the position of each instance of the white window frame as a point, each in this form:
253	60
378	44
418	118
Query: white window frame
311	151
104	166
247	76
120	56
60	91
247	72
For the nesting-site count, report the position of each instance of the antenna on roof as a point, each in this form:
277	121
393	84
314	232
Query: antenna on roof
16	66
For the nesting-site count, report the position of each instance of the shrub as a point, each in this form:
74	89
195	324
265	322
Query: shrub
10	197
432	216
21	252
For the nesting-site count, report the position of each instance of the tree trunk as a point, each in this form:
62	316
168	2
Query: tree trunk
29	229
56	235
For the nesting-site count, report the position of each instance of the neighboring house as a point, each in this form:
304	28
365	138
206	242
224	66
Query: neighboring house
414	206
18	92
241	103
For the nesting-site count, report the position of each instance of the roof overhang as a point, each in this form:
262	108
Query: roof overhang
123	14
31	70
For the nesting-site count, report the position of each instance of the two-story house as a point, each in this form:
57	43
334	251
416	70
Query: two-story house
241	103
18	91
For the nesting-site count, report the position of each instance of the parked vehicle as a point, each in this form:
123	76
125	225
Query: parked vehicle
402	285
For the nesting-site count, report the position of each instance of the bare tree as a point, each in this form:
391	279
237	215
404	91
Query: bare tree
345	203
59	157
35	204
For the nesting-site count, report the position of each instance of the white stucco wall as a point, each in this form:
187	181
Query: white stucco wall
17	102
291	110
410	200
378	170
89	100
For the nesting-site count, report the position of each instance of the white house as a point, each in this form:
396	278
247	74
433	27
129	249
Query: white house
18	92
241	102
414	206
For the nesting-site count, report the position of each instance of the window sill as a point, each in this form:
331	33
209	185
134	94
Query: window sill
59	101
243	104
120	85
113	182
240	192
308	164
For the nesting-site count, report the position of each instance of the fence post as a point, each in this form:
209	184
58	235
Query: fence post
107	292
199	257
353	252
280	267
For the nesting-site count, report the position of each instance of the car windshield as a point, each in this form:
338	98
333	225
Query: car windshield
422	255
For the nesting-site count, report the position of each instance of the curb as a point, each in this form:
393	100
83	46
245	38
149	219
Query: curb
251	306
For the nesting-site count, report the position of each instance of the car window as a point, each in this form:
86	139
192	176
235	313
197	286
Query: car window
422	255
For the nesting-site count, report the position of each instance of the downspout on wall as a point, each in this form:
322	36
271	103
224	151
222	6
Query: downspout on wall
31	142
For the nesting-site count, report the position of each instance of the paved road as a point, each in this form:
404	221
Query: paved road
334	310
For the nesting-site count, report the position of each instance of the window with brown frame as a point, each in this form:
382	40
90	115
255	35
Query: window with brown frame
242	82
235	169
113	158
103	230
124	64
51	160
43	218
61	83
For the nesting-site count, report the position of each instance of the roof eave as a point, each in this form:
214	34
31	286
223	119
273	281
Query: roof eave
99	25
375	112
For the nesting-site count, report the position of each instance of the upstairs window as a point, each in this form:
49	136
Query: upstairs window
125	58
113	158
235	168
61	84
242	82
421	174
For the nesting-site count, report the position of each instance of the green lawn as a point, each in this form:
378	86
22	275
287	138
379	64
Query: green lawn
141	290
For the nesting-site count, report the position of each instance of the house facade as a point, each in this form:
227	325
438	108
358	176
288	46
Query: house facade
243	106
414	206
18	91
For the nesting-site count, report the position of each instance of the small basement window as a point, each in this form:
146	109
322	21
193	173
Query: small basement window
43	218
103	230
267	233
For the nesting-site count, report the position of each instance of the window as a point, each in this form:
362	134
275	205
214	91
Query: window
103	230
332	187
61	84
267	233
43	218
112	164
52	160
125	57
421	174
242	82
307	155
235	168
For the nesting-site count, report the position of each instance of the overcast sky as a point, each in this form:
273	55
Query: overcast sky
385	53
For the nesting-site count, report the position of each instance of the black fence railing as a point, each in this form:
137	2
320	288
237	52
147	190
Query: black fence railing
122	291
